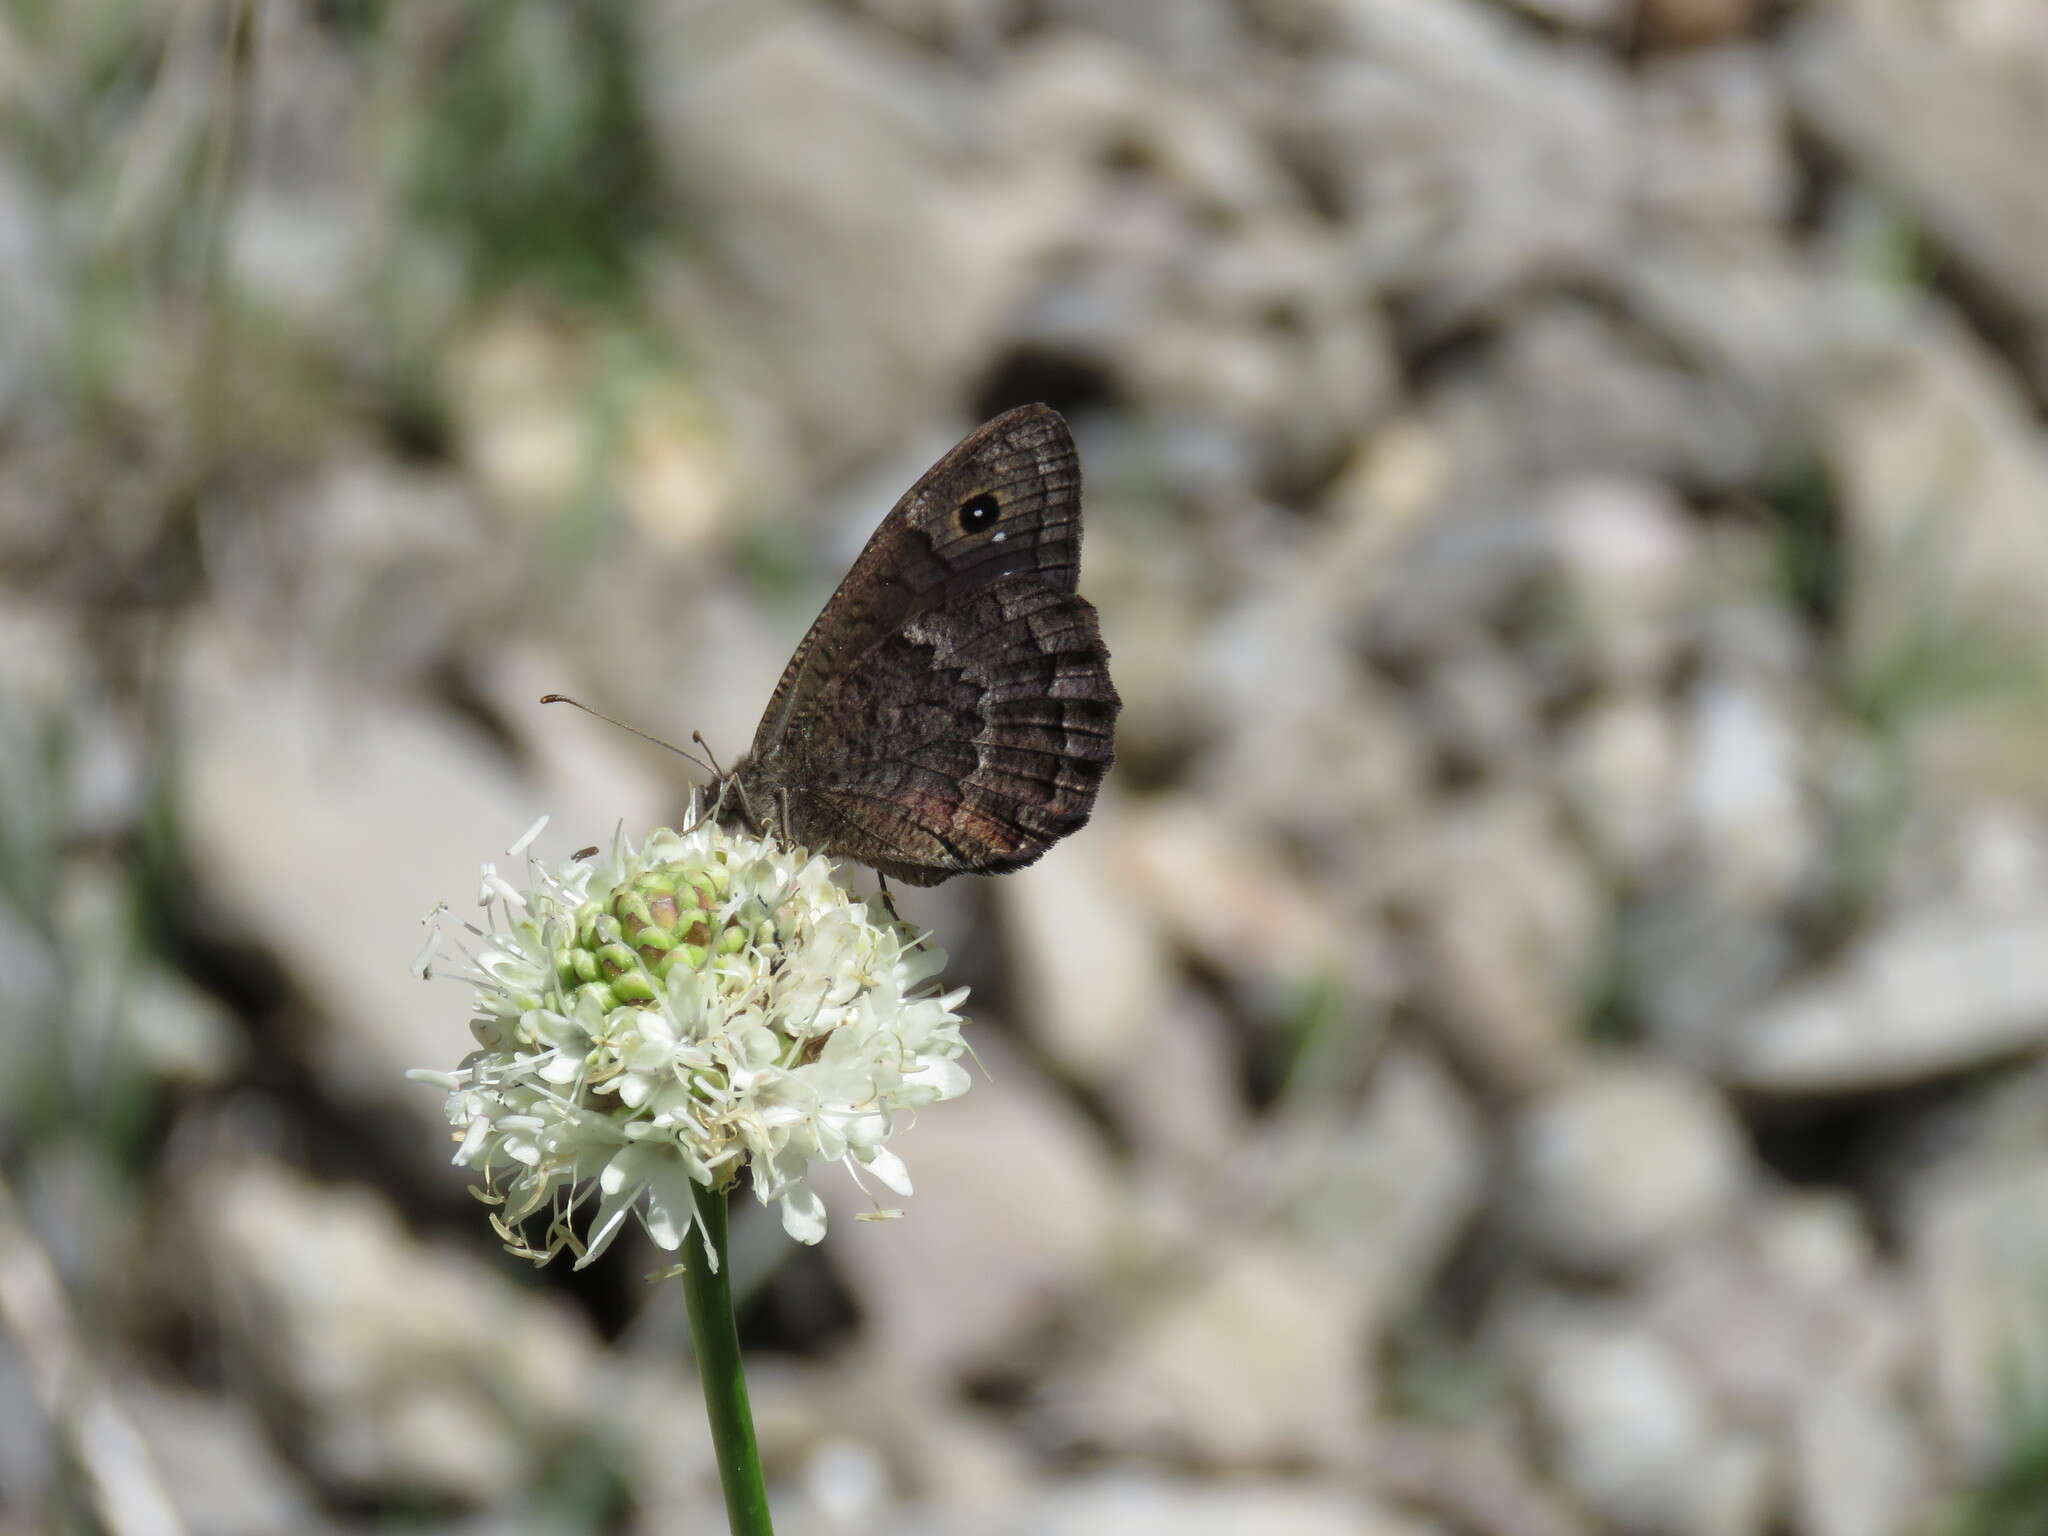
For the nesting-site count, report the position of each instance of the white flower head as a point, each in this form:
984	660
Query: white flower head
706	1003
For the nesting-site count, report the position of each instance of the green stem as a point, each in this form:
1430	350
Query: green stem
708	1295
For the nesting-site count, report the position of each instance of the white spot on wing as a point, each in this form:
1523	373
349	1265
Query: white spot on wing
998	538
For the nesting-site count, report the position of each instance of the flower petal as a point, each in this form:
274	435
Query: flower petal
889	1168
803	1213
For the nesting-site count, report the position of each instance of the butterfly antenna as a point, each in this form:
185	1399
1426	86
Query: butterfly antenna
563	698
698	737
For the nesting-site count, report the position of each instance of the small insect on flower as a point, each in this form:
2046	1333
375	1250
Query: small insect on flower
649	1018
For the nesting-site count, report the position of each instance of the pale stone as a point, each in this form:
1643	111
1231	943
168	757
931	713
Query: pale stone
182	1034
1253	1359
1636	1438
1185	1112
1014	1210
1951	131
1625	554
1285	699
1137	1504
1091	961
789	138
218	1465
1510	926
1788	1302
1716	147
1383	1190
1861	1467
1618	767
406	1368
1226	897
1624	1165
1979	1250
286	778
1748	821
1924	994
1942	475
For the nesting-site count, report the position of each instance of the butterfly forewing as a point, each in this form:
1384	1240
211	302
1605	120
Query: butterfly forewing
924	552
950	710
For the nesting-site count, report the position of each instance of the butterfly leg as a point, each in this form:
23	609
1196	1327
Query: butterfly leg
888	901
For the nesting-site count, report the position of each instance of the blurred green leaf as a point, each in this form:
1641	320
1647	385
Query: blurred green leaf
533	151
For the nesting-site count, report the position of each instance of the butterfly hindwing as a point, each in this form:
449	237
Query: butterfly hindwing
997	756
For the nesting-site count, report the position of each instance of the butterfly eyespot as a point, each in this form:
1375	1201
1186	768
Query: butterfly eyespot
979	513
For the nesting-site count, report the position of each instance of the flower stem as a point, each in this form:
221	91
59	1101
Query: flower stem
708	1295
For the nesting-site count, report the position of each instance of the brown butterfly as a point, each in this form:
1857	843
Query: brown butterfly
950	711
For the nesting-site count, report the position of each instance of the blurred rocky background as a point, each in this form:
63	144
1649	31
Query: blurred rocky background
1548	1032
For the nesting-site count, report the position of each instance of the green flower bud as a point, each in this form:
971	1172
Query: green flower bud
627	945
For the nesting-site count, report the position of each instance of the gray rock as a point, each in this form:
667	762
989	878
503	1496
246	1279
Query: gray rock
220	1471
1192	38
1509	928
411	1373
1789	1301
1091	963
1801	1336
1472	1476
1014	1212
1949	128
1449	107
787	138
1625	1165
1978	1246
1198	278
1249	1353
1633	1434
1572	389
1749	820
1277	932
1618	767
1384	1190
1988	855
1694	967
1183	1110
1624	561
373	567
1942	475
286	778
1714	146
1135	1504
1862	1467
1925	993
1285	699
1477	711
183	1035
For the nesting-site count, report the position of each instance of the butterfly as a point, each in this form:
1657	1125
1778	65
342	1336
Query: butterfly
950	711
